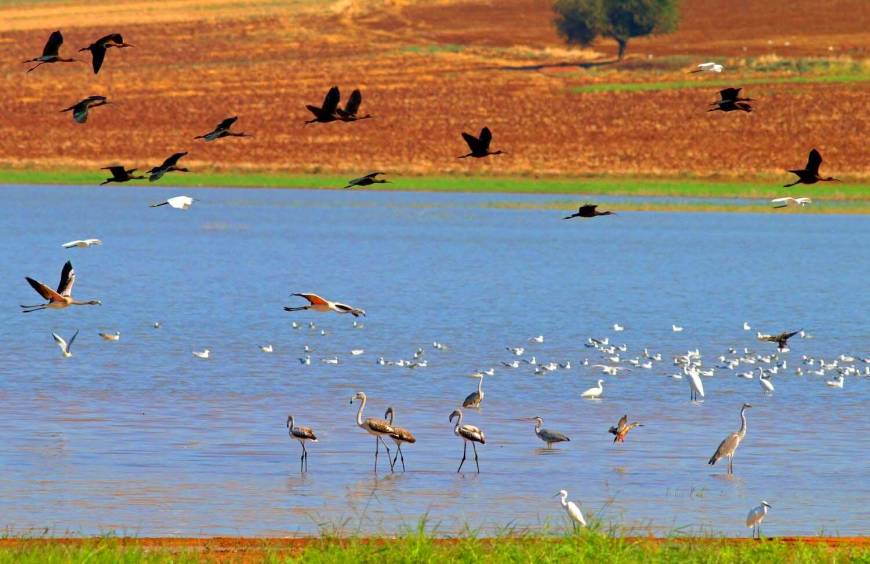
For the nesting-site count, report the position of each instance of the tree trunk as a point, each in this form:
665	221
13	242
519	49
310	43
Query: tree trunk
622	44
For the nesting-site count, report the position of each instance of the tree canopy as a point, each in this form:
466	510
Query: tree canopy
581	21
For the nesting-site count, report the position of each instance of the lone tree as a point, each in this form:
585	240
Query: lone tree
581	21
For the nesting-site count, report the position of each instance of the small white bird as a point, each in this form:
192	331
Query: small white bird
788	200
756	516
518	351
511	364
295	325
676	328
357	352
305	360
746	326
538	339
333	360
572	510
696	386
202	354
618	327
709	67
266	348
594	393
64	346
357	325
177	202
765	382
610	370
156	325
116	336
836	382
82	243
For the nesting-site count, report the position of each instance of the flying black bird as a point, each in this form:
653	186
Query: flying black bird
222	130
781	340
50	53
588	210
80	109
349	113
98	49
168	166
329	110
120	174
810	173
367	180
730	101
479	145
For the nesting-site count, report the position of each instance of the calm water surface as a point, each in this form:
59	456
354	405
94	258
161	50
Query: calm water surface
140	437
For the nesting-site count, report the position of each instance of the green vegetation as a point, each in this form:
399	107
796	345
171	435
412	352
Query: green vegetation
581	21
707	84
586	546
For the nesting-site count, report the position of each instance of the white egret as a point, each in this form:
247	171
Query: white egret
594	393
709	67
788	200
755	517
696	386
572	510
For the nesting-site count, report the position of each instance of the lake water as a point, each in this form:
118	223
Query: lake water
142	438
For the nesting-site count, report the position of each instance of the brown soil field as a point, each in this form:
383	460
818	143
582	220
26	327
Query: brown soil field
429	70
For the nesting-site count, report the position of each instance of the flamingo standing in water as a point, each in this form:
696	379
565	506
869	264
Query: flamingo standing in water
399	435
378	428
301	434
468	433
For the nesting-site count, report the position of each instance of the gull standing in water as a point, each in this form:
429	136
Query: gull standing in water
116	336
728	447
64	346
468	433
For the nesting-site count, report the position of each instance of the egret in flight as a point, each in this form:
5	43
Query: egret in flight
177	202
82	243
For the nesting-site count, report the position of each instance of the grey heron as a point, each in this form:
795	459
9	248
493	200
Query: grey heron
547	435
728	447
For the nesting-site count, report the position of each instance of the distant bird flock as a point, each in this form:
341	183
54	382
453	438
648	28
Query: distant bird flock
330	110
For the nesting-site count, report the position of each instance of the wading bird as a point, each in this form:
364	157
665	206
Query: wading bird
60	298
116	336
222	130
177	202
696	386
301	434
64	346
764	381
468	433
572	510
781	340
730	101
622	428
786	201
399	435
728	447
709	67
328	111
547	435
50	53
474	398
120	174
810	173
349	113
755	517
169	165
479	145
594	393
379	428
80	109
367	180
317	303
98	49
588	210
82	243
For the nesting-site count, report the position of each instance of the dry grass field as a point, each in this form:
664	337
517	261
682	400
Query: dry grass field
429	70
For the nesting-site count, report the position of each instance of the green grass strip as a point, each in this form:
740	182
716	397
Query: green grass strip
698	84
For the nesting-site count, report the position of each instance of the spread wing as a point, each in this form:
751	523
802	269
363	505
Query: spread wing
227	123
98	54
587	208
173	160
622	422
52	46
313	299
485	138
44	290
67	279
117	171
330	102
814	161
352	106
729	94
111	38
471	141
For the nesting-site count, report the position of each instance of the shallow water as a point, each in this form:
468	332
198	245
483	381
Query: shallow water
140	437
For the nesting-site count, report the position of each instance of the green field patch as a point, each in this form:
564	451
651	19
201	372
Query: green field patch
698	84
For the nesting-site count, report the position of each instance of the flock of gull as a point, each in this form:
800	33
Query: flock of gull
611	360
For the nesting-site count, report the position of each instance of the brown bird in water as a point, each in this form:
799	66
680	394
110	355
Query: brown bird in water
80	109
50	53
349	113
120	174
810	173
730	101
222	130
399	435
328	111
588	210
301	434
781	340
622	428
479	145
367	180
98	49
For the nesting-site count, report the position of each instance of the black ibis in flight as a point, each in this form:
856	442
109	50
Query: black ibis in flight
98	49
810	173
50	53
479	145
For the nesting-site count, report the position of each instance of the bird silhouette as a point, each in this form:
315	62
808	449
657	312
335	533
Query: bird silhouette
351	109
222	130
80	109
169	165
622	428
588	210
328	111
781	340
51	52
120	174
98	49
730	101
810	173
479	145
367	180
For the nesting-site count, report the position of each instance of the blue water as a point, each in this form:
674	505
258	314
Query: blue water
140	437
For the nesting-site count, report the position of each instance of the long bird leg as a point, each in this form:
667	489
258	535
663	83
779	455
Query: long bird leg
377	444
295	308
730	464
792	184
464	450
402	457
302	458
32	308
390	460
474	446
37	65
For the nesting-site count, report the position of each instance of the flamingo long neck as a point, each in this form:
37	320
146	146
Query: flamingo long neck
291	423
742	430
458	423
359	418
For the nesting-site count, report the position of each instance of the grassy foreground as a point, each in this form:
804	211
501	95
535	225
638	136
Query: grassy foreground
420	547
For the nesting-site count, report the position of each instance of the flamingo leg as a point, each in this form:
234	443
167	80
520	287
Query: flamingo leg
302	458
474	446
464	450
377	444
402	456
390	460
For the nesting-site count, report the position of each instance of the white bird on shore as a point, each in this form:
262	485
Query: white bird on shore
82	243
177	202
202	354
572	510
594	393
756	516
709	67
788	200
676	328
266	348
64	346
